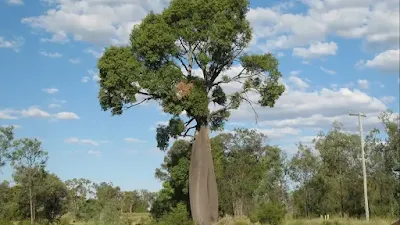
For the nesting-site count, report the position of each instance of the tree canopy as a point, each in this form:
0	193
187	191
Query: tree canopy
165	50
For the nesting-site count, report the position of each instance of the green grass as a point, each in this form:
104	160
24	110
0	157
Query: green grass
339	221
135	217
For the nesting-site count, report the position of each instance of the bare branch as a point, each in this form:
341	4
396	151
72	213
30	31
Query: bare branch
251	105
188	122
183	64
144	100
188	129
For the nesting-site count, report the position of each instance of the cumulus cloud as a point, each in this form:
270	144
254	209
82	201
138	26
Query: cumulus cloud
36	112
85	79
298	82
104	22
387	62
50	55
377	23
387	99
14	44
134	140
95	153
331	72
7	114
58	37
75	140
94	53
15	2
50	90
316	50
364	84
295	72
74	61
66	116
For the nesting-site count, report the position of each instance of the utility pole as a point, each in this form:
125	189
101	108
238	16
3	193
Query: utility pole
363	163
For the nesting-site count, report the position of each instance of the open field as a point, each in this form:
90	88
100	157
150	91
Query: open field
135	217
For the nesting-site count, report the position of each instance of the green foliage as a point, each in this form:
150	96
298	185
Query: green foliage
178	215
6	138
5	222
209	35
272	213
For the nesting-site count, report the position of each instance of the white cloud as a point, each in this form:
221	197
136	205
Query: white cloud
7	114
364	84
331	72
35	112
387	99
298	82
54	105
66	116
14	44
387	62
316	50
279	132
300	108
94	53
85	79
95	75
93	152
95	21
295	72
13	125
58	37
74	61
377	23
15	2
74	140
134	140
50	55
50	90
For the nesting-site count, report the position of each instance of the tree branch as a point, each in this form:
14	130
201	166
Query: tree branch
144	100
251	105
188	122
187	131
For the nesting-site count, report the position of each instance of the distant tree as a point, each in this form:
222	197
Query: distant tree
303	167
78	191
6	139
188	35
52	198
29	160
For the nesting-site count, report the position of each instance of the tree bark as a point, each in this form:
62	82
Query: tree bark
203	192
31	205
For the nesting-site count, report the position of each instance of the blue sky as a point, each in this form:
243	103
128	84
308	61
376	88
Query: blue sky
336	56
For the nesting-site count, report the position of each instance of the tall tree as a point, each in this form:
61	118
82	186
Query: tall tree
78	192
29	159
6	138
160	63
303	167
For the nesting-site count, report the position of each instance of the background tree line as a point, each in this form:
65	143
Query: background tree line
255	179
259	181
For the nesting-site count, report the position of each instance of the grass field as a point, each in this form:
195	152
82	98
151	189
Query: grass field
135	217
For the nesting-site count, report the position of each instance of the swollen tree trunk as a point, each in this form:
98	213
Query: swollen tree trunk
202	181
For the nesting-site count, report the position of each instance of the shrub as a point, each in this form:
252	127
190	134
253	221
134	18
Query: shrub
228	220
5	222
269	213
178	215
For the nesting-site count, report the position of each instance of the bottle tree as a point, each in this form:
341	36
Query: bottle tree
159	63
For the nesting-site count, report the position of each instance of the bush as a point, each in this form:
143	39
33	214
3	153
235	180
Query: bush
6	222
178	215
269	213
228	220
